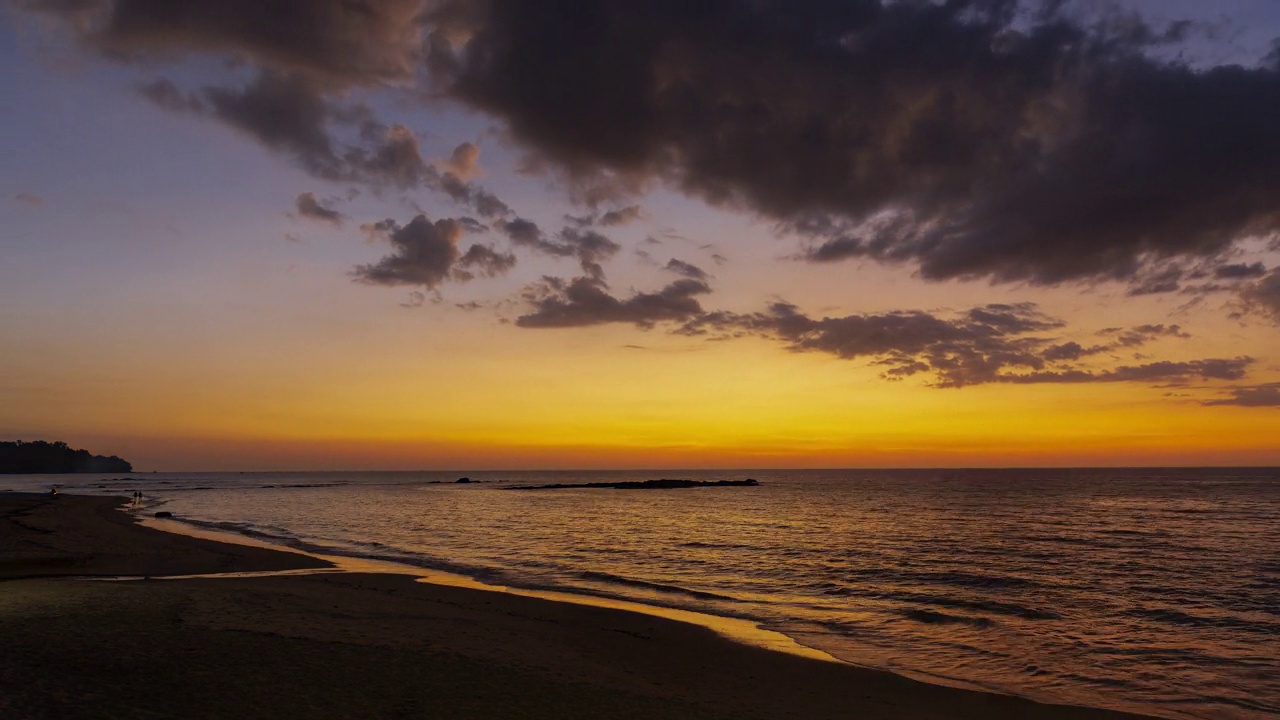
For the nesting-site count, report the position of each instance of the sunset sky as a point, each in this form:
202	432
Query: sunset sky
460	234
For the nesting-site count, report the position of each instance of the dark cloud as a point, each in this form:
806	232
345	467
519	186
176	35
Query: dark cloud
972	138
1143	334
1164	371
1118	339
309	207
426	253
998	343
486	261
622	216
285	113
337	42
1157	281
1263	296
483	202
472	225
164	93
688	270
590	248
619	216
586	301
1255	396
394	158
527	233
1240	271
289	114
837	249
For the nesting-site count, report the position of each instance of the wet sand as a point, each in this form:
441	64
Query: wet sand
354	645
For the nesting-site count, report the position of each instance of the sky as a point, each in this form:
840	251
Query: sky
503	234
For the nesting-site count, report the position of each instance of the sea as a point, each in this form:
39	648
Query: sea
1148	590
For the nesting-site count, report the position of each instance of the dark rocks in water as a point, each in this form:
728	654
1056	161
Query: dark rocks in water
663	484
463	480
164	514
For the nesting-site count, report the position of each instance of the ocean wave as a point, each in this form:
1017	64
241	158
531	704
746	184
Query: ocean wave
953	578
718	546
932	617
988	606
1177	617
417	560
660	587
268	533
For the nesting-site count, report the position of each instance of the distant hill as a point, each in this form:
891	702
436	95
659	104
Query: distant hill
55	457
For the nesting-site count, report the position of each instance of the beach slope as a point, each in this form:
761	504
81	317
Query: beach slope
345	645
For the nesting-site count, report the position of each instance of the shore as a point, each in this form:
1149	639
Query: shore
353	645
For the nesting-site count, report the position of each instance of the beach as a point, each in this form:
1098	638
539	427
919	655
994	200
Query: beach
374	645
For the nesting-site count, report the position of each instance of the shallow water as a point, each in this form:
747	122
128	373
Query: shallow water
1148	590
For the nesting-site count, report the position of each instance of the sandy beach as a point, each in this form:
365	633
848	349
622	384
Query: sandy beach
350	645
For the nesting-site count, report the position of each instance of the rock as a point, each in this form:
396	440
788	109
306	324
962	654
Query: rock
463	480
662	484
164	514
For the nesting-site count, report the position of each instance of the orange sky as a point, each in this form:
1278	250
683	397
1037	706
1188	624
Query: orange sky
166	298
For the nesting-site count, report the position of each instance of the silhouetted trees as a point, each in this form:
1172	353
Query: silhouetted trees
55	457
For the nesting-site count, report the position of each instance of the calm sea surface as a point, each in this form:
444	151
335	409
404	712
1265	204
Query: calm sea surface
1148	590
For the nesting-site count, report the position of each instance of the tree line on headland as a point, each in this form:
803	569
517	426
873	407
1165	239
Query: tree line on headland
55	457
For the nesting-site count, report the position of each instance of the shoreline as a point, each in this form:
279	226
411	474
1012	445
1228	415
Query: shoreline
428	648
740	630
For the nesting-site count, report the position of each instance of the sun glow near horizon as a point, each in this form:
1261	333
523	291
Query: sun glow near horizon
232	257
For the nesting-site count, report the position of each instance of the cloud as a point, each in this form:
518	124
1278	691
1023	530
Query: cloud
164	93
286	114
1254	396
585	301
1240	271
971	139
394	158
1263	296
621	216
338	43
485	203
464	162
309	207
688	270
426	253
484	260
998	343
290	115
29	199
1162	371
590	248
1142	334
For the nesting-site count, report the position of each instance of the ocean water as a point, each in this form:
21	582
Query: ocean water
1149	590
